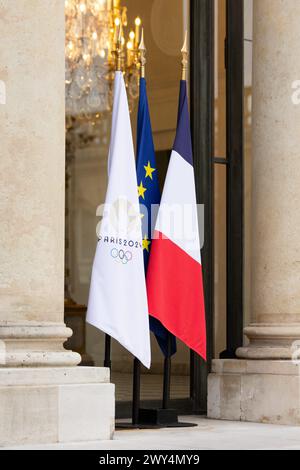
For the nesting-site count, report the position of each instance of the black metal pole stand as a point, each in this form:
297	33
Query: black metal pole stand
146	418
107	353
136	392
136	399
167	376
164	417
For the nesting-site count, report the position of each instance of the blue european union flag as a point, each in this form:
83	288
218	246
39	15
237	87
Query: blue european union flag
149	195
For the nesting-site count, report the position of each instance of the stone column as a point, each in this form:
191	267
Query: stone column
42	396
269	389
276	182
32	185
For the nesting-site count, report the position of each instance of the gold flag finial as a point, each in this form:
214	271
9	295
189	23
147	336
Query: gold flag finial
119	49
142	49
185	54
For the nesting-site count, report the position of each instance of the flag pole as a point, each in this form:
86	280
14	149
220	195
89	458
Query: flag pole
167	375
136	393
118	53
143	61
156	417
185	61
107	353
168	361
166	417
118	50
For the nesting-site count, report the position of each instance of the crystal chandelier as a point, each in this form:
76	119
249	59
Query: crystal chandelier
92	31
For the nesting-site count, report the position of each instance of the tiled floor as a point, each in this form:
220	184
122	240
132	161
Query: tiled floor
208	435
151	386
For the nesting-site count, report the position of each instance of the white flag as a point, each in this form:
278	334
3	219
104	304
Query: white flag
118	299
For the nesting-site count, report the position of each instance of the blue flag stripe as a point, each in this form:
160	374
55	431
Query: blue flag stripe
183	142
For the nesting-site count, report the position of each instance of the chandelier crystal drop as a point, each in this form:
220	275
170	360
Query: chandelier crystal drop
92	31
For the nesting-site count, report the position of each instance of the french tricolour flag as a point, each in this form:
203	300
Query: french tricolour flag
174	277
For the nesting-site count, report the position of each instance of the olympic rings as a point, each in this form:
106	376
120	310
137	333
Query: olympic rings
121	255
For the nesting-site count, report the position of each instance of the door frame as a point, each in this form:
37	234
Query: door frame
234	60
202	122
202	125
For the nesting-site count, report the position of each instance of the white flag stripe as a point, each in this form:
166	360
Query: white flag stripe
179	200
118	299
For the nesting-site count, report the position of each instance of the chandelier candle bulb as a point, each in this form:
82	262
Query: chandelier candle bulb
82	7
124	16
138	23
129	53
82	11
94	44
116	35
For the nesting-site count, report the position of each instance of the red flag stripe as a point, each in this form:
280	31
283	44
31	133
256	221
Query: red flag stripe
175	293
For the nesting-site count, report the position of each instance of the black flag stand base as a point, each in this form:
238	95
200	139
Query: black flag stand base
136	393
164	417
160	418
143	418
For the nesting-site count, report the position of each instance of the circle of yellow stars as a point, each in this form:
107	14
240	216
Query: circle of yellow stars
141	192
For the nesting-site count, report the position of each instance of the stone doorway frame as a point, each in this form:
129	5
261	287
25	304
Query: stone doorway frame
202	118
